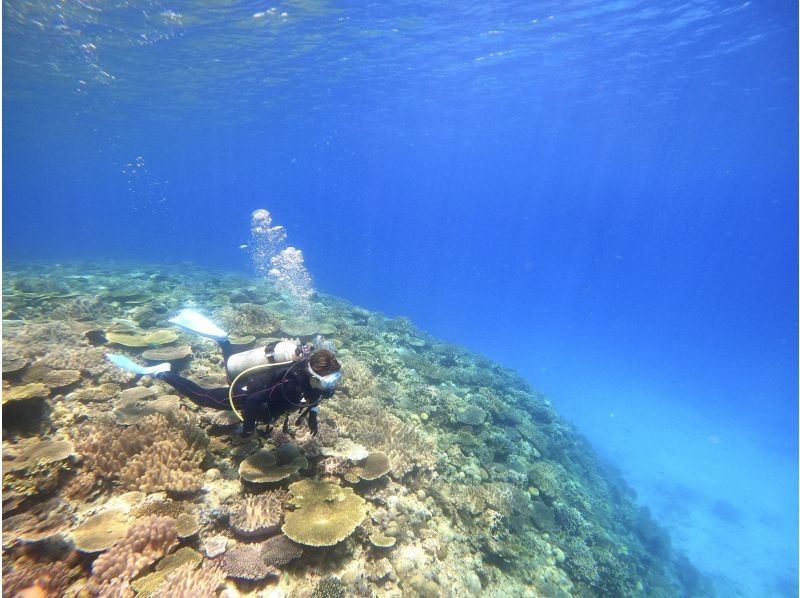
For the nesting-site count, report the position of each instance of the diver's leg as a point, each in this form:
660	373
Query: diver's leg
216	398
255	410
195	322
227	349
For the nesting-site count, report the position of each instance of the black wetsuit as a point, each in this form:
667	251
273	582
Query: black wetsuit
263	396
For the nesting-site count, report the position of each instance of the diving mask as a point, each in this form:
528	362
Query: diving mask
324	383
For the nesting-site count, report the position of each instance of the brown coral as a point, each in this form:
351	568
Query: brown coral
161	452
164	465
367	422
154	582
101	531
262	467
374	466
51	579
189	582
245	562
256	516
280	550
145	542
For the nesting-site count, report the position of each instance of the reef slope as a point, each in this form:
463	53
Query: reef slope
436	472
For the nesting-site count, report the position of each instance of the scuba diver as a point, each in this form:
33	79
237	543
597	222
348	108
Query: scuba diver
267	382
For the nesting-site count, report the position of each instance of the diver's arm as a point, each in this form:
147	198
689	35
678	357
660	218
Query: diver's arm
313	425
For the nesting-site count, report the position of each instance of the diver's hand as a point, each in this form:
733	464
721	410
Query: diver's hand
313	425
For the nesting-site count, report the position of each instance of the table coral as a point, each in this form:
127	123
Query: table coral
326	514
34	390
36	450
262	467
101	531
374	466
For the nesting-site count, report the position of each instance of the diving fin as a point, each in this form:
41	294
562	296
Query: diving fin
129	365
195	322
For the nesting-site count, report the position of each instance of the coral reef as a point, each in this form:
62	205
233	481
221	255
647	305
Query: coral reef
434	471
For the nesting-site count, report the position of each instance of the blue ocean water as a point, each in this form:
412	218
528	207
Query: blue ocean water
601	195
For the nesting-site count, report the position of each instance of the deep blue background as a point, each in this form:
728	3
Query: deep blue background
601	196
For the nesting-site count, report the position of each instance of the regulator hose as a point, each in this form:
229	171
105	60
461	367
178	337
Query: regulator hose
247	371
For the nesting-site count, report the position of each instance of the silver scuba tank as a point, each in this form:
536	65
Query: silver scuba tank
239	362
272	355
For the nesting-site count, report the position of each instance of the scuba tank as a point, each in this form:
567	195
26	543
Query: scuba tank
273	354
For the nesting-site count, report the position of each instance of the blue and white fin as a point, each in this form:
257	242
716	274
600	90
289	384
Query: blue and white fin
127	364
195	322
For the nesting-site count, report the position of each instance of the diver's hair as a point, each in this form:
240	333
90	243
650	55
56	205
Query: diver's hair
323	362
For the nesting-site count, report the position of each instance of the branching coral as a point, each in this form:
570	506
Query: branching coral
145	543
358	381
406	445
164	465
83	309
147	585
248	318
50	579
158	453
188	581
